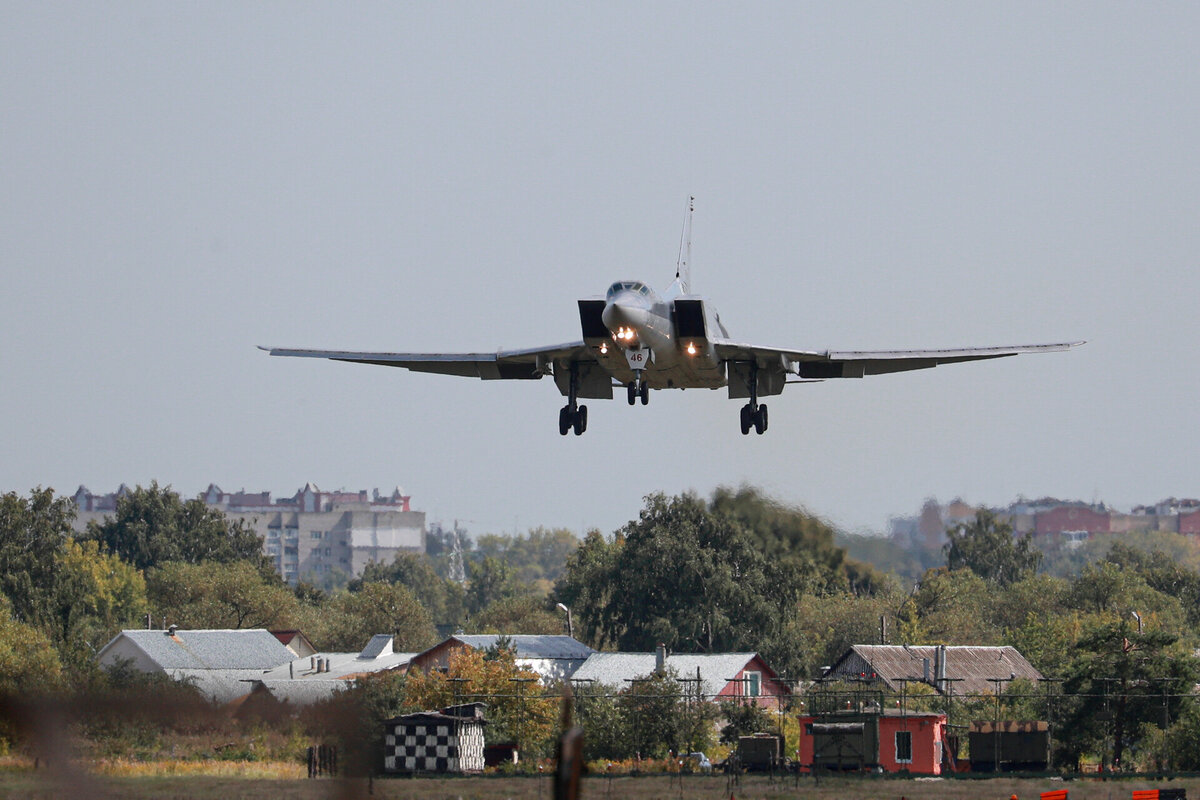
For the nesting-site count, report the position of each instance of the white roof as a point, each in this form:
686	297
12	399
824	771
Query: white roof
254	648
614	669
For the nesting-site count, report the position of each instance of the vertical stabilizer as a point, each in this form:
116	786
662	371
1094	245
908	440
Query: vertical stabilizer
683	266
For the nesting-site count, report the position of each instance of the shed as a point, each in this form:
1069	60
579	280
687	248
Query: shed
450	740
888	740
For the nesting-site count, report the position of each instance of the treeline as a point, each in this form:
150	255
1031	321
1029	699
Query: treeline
733	572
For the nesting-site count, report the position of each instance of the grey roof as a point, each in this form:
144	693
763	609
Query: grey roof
218	685
530	646
208	649
968	667
340	665
303	693
614	669
380	645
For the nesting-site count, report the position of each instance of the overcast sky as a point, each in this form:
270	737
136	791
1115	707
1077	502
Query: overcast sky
180	182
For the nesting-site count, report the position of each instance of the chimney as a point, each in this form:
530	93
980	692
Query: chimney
940	668
171	630
882	629
312	663
660	659
925	671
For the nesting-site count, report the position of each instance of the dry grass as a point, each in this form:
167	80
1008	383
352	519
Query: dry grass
253	783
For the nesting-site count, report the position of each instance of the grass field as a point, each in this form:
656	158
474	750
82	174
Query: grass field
27	784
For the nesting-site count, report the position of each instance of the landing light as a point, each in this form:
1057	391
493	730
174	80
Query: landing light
691	348
603	348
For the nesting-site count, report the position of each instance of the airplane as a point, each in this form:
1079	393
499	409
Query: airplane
641	340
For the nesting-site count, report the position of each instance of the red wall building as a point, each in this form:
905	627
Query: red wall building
907	742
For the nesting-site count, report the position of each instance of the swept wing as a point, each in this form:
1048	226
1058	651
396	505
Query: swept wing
859	363
529	364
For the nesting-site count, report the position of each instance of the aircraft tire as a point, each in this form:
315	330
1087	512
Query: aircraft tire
632	390
564	420
760	420
746	419
580	421
645	392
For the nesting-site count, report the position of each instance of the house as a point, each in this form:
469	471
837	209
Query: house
450	740
723	676
554	658
869	739
297	642
948	669
320	676
217	662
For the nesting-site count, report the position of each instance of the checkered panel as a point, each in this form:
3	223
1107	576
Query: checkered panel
422	748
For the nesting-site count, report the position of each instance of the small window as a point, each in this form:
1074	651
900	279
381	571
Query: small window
903	747
752	681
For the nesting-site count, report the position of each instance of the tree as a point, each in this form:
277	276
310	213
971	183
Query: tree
490	580
986	546
95	595
33	531
443	598
1120	680
682	576
950	607
350	619
29	665
517	615
152	526
517	710
215	595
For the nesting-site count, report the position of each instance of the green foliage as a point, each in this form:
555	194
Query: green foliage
1118	680
986	546
152	526
96	594
33	531
29	665
443	598
905	563
349	620
489	580
538	556
826	626
949	607
216	595
744	719
518	615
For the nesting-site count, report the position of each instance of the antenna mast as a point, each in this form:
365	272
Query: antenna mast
682	265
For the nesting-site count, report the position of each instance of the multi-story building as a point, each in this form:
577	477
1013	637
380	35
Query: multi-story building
310	535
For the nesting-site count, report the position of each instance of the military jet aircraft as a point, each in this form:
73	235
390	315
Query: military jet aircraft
638	339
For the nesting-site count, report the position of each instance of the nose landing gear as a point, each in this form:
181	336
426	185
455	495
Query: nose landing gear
753	414
636	389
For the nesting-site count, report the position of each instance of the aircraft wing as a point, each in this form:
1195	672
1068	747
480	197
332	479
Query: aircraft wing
528	364
859	363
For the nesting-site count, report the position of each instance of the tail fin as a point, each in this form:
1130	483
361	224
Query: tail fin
683	272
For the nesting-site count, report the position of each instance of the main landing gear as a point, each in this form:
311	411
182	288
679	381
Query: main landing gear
753	414
572	416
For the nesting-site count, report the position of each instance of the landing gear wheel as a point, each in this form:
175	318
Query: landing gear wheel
645	393
747	419
760	420
580	420
633	393
564	420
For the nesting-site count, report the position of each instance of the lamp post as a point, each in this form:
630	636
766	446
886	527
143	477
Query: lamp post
570	627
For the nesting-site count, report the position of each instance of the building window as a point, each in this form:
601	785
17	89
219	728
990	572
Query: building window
752	683
317	534
903	747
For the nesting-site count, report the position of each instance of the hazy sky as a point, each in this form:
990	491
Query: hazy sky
180	182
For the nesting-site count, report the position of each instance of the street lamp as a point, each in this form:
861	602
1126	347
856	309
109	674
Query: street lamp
570	627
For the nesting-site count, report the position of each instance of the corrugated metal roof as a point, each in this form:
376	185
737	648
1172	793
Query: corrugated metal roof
219	685
614	669
303	693
208	649
968	668
340	665
530	646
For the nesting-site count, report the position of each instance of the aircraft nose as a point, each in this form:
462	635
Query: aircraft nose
619	314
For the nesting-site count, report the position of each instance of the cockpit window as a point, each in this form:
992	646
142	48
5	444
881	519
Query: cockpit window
622	286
